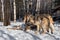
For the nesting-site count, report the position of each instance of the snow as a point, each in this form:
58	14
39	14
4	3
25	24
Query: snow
6	34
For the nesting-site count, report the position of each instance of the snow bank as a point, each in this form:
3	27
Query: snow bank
6	34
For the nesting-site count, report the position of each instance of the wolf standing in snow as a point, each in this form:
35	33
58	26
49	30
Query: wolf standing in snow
44	22
47	23
51	23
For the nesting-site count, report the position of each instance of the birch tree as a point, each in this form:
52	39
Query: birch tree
2	2
38	6
14	4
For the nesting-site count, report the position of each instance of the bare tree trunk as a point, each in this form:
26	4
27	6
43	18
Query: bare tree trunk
11	9
2	1
0	12
38	5
14	4
24	4
6	13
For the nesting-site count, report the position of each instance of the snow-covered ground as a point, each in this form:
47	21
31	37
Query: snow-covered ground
6	34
